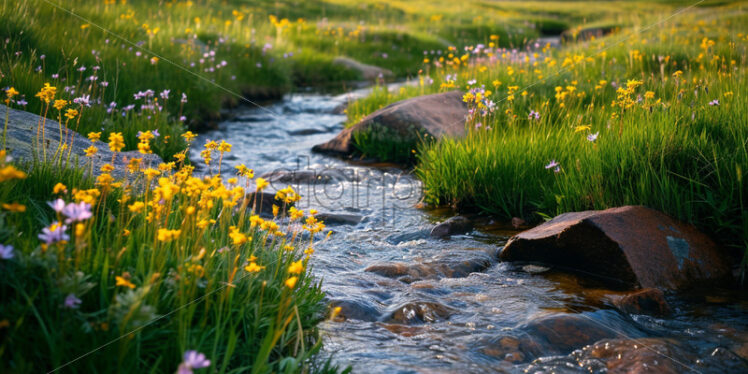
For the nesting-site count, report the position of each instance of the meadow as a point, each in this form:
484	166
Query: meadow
653	115
165	270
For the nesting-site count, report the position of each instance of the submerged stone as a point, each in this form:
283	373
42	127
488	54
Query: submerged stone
647	301
626	247
456	264
453	226
418	312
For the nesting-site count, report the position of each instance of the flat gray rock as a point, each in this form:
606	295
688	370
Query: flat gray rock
21	139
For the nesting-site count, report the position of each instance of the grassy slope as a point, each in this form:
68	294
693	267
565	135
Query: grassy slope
682	156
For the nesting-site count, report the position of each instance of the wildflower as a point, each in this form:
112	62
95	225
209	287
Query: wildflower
94	136
116	141
59	104
714	102
593	137
10	92
6	252
534	114
582	128
47	93
253	267
9	172
59	188
166	235
91	151
296	267
72	302
123	282
649	95
192	360
71	113
54	233
237	237
77	212
57	205
189	136
291	282
15	207
244	171
552	164
151	173
224	147
261	184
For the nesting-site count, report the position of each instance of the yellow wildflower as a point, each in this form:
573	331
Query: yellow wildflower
124	282
10	172
116	141
71	113
136	207
94	136
59	188
91	151
15	207
261	184
253	267
291	282
296	267
59	104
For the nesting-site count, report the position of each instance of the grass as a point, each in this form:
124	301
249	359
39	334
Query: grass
664	142
149	268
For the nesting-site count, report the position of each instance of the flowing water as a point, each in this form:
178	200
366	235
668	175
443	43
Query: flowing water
450	306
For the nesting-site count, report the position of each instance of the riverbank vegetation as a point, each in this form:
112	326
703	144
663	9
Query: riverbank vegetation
653	115
159	271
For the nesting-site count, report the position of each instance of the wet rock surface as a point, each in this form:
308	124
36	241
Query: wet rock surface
21	142
450	265
295	177
454	226
647	301
419	312
628	246
563	333
436	115
339	218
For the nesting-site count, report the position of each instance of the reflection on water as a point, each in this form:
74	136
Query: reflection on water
412	303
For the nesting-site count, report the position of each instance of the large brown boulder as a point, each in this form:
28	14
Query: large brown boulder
629	247
435	115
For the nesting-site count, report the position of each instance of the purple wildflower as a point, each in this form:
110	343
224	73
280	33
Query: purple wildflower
77	212
54	233
534	114
72	301
104	84
82	69
84	100
184	98
552	164
57	205
22	102
593	137
6	252
192	360
714	102
165	94
55	76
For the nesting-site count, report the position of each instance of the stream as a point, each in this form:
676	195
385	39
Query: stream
430	305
